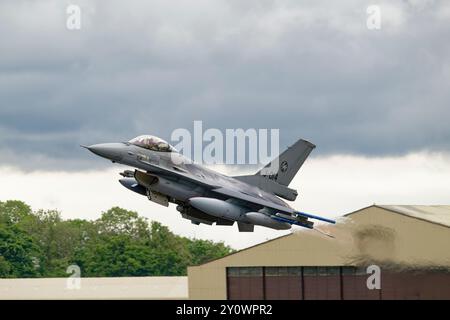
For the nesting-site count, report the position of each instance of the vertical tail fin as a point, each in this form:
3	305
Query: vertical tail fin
284	168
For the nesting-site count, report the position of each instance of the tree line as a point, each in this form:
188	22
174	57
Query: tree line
120	243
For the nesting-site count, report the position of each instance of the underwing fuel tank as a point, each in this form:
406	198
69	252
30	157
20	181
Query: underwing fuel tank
225	210
218	208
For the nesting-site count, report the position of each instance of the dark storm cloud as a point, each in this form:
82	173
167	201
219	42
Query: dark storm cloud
311	69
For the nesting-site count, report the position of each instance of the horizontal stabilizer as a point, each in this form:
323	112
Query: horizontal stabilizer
269	186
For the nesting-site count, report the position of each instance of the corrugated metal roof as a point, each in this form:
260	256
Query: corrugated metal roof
439	214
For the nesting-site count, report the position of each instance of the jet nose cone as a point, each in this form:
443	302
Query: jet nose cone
112	151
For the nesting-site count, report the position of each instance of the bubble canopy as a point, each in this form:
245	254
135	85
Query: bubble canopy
152	143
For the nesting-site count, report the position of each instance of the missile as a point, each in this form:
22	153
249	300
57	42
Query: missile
305	224
289	217
300	219
312	216
133	185
261	219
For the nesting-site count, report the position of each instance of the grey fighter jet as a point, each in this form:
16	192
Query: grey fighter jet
205	196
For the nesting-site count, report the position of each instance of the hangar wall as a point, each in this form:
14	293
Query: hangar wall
410	251
332	283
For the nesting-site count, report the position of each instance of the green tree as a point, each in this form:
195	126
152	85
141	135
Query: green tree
119	243
206	250
14	211
116	256
120	221
170	252
17	253
44	228
5	267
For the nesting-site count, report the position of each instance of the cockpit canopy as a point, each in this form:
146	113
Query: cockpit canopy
152	143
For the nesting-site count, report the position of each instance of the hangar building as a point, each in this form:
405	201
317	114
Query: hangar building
410	245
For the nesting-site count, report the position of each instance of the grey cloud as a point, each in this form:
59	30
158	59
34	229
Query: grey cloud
311	69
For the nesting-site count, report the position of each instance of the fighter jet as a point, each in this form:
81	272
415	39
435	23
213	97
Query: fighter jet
205	196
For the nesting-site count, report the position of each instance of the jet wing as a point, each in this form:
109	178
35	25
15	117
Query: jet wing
245	197
268	204
153	168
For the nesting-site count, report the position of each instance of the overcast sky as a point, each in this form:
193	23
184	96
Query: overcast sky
310	68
